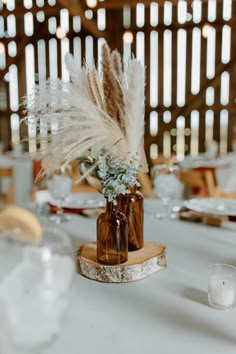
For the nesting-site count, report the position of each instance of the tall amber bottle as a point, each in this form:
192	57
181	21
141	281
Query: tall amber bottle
132	206
112	236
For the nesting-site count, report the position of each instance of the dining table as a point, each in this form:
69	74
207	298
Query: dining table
223	168
166	312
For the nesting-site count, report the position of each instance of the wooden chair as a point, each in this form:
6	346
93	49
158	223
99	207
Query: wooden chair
7	172
159	160
204	182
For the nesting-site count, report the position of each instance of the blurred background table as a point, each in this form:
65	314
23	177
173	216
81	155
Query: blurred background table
16	178
223	168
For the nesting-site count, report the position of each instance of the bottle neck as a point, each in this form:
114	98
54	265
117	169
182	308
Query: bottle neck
110	206
132	189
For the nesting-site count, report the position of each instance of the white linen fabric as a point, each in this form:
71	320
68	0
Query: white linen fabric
167	312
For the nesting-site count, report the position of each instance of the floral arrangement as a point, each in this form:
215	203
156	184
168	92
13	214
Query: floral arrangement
96	120
115	175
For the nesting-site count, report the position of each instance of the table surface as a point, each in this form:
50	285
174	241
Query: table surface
167	312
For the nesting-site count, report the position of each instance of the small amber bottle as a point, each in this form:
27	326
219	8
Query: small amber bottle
131	205
112	236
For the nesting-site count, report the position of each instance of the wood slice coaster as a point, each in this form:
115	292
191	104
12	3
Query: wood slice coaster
142	263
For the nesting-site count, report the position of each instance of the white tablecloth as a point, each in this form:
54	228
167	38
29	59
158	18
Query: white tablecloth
165	313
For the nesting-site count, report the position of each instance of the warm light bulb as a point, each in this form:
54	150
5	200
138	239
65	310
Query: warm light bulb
205	30
60	33
2	48
91	3
128	37
4	2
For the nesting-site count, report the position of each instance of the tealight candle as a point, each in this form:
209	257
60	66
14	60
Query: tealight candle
222	286
222	292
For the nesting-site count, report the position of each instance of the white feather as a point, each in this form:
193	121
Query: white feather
80	123
134	106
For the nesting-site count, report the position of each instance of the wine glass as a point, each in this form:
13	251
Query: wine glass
166	185
59	184
34	291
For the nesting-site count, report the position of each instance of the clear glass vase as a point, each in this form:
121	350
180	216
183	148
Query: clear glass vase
131	205
112	236
35	286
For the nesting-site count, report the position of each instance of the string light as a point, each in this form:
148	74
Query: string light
91	3
2	48
205	30
128	37
60	33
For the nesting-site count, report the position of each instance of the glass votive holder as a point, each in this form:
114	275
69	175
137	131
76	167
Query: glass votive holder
35	289
222	286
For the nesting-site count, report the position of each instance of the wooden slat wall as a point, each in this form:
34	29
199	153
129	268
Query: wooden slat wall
175	134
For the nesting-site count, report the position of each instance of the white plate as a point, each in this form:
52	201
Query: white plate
212	206
82	201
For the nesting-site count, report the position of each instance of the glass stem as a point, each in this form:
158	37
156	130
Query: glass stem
60	211
166	206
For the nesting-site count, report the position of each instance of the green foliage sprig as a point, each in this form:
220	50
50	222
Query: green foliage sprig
116	175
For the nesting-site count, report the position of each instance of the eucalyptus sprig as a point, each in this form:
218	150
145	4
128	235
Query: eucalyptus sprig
116	175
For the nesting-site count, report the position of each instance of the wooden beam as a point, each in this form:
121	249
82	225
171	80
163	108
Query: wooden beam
118	4
161	27
216	107
147	29
46	36
76	9
20	11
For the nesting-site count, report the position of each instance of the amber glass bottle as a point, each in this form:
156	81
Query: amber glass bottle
132	206
112	236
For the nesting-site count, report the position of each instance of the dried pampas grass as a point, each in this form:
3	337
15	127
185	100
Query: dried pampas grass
88	110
